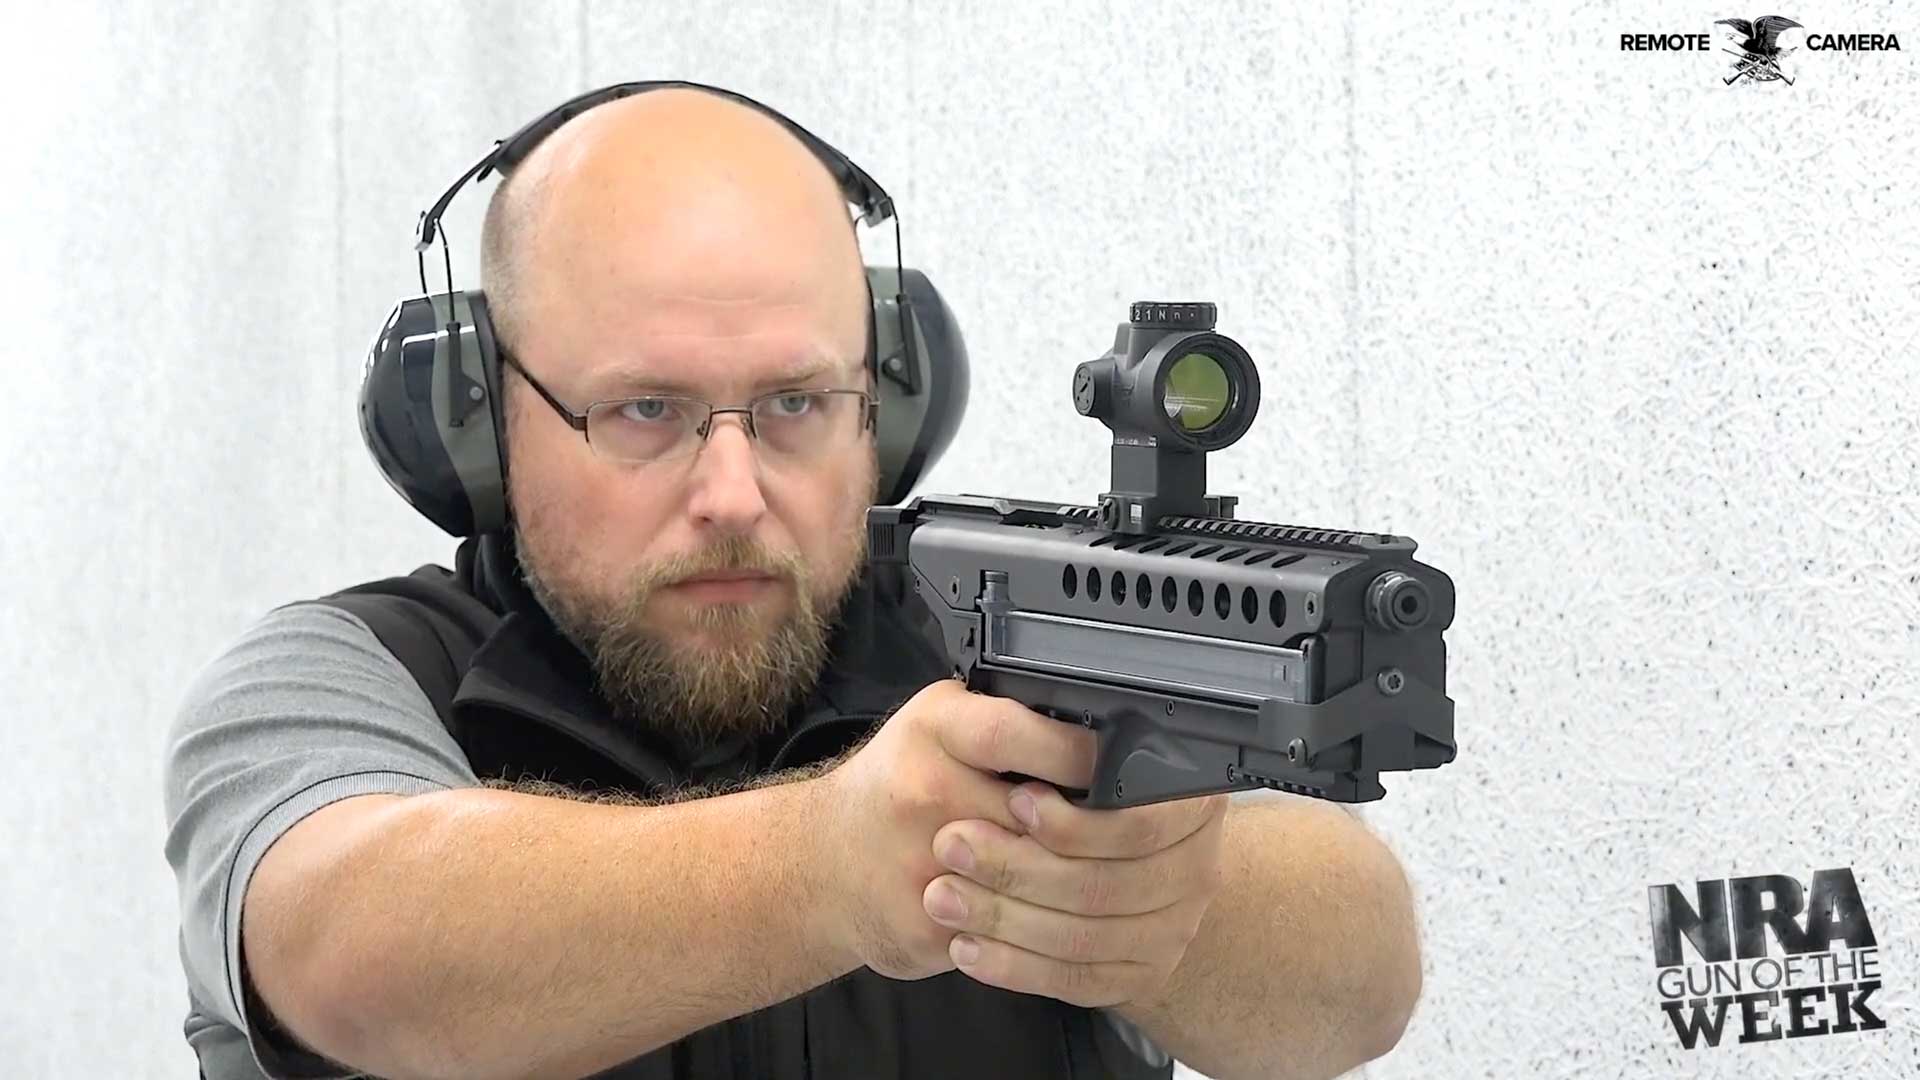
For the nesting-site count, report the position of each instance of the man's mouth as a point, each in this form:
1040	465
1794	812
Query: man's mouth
727	575
725	585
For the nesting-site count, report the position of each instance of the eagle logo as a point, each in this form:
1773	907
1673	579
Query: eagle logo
1760	50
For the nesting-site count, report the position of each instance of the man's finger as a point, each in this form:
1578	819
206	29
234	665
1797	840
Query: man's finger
1000	735
1021	867
1010	967
1129	833
1153	937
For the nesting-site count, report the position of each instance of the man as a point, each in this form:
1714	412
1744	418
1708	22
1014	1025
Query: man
360	895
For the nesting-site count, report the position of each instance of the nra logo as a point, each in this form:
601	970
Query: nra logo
1761	50
1821	982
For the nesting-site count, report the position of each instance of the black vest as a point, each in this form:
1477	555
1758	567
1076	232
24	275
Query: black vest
519	697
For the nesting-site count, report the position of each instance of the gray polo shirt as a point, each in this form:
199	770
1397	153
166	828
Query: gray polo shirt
305	708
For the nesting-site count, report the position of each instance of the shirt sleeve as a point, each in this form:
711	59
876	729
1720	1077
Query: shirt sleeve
304	709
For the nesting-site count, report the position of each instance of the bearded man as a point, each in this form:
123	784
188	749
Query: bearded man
704	803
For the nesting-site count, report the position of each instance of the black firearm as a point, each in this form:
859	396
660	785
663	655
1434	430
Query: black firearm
1209	654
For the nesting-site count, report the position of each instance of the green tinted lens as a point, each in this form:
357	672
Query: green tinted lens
1197	392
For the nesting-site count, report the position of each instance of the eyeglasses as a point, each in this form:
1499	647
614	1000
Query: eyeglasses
793	425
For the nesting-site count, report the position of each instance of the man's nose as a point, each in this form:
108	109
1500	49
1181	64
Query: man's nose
726	477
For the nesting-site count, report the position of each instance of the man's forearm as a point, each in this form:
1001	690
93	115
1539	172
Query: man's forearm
1307	964
489	933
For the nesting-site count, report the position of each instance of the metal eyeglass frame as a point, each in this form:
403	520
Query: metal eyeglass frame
578	420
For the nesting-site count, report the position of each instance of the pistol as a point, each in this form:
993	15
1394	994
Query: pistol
1207	653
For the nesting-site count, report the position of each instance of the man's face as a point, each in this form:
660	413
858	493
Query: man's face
724	303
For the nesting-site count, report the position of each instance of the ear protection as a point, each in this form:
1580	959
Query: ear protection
430	396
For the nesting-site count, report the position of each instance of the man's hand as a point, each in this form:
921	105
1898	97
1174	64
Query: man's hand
1092	907
936	761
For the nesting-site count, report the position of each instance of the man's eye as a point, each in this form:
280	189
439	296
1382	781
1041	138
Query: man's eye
647	410
792	404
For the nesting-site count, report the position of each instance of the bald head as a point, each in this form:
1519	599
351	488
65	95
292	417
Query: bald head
688	176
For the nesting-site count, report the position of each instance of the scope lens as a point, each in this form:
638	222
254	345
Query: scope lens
1197	392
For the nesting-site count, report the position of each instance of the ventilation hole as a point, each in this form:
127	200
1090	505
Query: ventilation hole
1222	601
1261	557
1142	590
1169	594
1205	551
1277	607
1127	542
1069	581
1104	540
1231	554
1119	587
1093	583
1249	604
1196	597
1178	548
1286	560
1153	544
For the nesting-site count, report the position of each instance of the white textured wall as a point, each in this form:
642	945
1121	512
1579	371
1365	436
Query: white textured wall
1636	357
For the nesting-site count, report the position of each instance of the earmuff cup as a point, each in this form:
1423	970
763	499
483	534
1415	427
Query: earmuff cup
923	388
430	411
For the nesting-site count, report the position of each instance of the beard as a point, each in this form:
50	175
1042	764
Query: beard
741	675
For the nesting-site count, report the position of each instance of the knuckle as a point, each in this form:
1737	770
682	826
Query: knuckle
936	787
1022	729
918	791
931	709
1098	890
926	784
1071	980
918	712
1002	876
983	915
992	732
1078	942
1077	984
